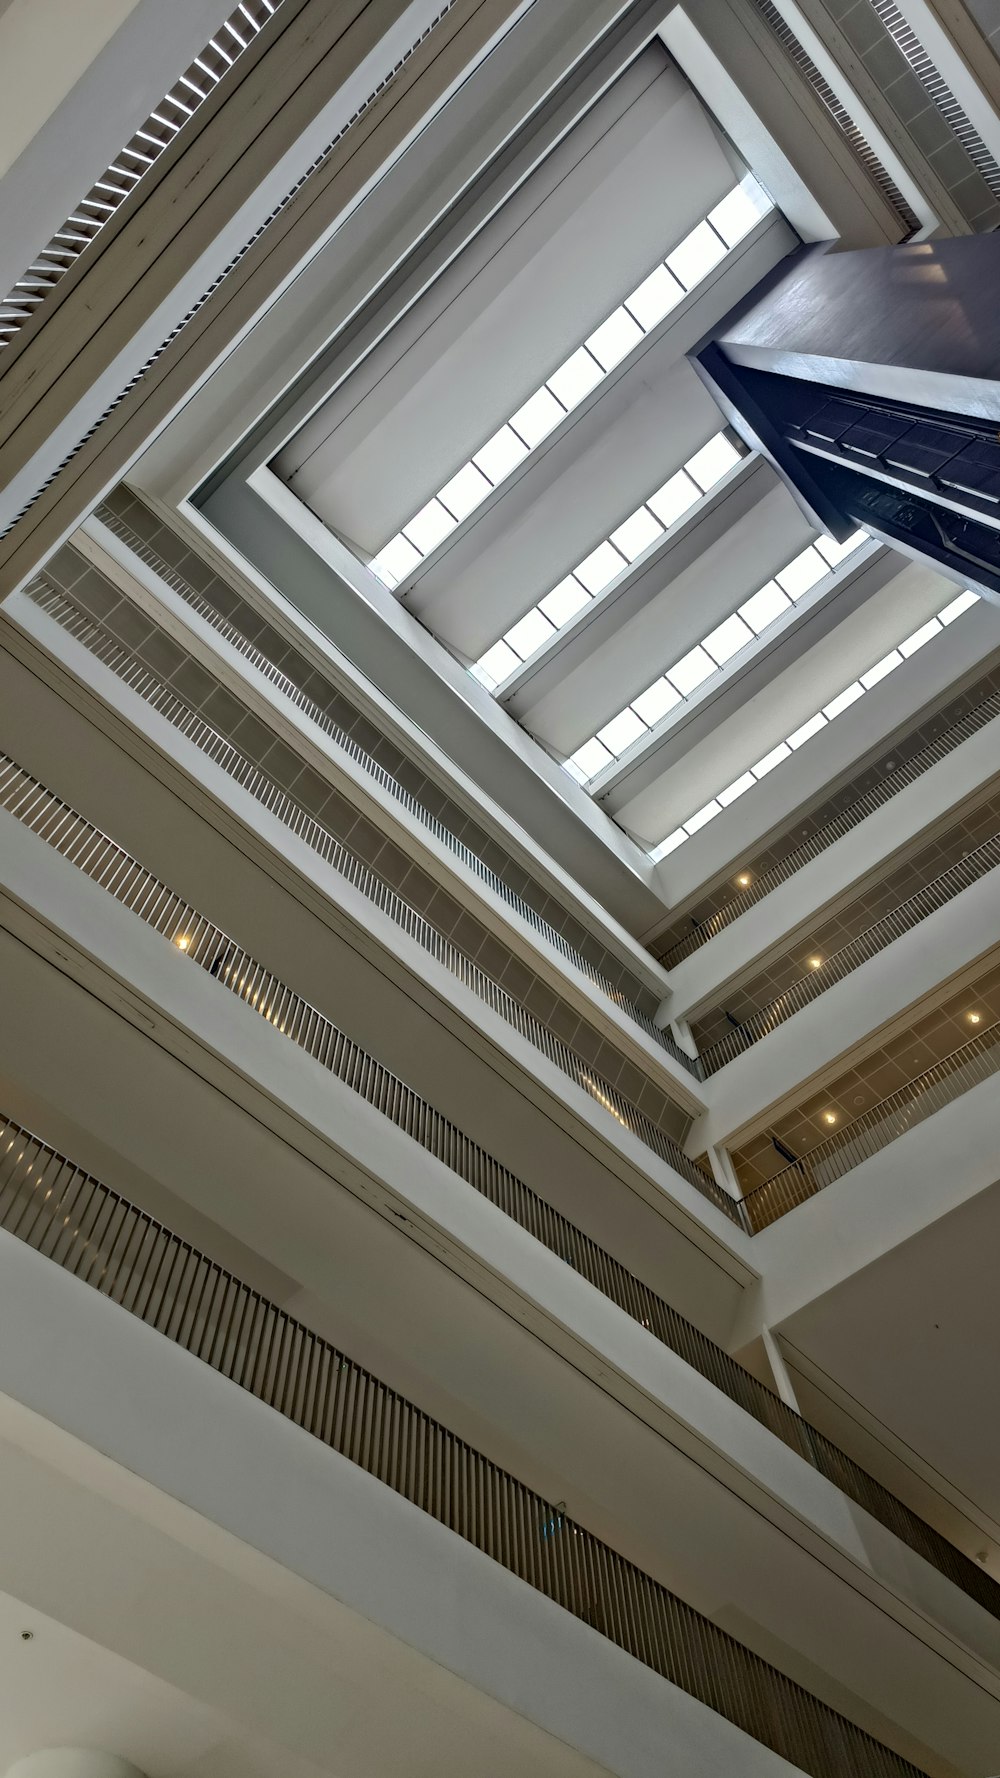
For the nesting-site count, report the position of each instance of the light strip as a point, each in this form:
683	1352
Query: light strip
707	659
829	713
658	514
666	285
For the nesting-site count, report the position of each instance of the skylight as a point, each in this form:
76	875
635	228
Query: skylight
602	565
666	286
806	730
701	663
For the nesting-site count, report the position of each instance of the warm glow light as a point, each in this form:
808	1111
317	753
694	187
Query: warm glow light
744	879
829	1117
974	1018
182	942
815	962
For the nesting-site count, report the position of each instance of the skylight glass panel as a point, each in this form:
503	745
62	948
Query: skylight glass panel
652	704
530	634
919	638
500	454
806	732
465	491
614	339
396	561
621	731
713	461
600	567
670	844
882	669
637	533
770	760
844	700
697	254
728	639
564	601
764	607
703	817
497	664
591	758
575	379
739	211
957	606
691	670
428	526
654	297
802	573
540	414
835	553
674	499
736	789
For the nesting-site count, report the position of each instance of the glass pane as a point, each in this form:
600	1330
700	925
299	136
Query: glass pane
564	601
500	454
614	338
674	499
497	664
919	637
637	533
575	379
395	561
655	297
465	491
591	758
601	566
654	703
703	816
536	419
428	526
713	461
728	639
802	572
528	635
808	729
882	669
621	731
691	670
772	759
843	701
697	254
736	788
764	607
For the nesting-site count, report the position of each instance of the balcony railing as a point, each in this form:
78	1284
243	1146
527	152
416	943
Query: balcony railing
97	1236
387	781
353	870
875	938
201	943
204	943
129	168
893	1116
890	783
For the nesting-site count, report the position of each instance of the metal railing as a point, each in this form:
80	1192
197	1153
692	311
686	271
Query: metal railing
893	1116
888	786
387	781
132	164
936	894
204	944
353	870
90	1231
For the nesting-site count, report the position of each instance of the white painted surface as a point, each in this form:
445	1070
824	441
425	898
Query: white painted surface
72	1762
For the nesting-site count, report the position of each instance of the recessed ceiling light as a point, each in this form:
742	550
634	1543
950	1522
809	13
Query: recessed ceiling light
974	1018
182	941
744	879
815	962
829	1117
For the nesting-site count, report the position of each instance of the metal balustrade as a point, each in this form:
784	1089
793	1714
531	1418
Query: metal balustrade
888	786
202	943
74	1221
352	869
893	1116
936	894
387	781
205	943
132	164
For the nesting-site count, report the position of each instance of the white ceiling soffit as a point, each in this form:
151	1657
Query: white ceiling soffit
639	170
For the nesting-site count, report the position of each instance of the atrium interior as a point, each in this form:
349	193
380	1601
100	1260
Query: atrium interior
499	651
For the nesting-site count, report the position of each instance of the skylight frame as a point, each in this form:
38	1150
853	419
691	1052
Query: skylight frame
392	551
589	597
686	670
953	609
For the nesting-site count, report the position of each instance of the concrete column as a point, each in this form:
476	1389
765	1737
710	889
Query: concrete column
72	1762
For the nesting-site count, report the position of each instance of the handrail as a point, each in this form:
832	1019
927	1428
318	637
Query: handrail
898	1112
888	786
207	944
74	1221
202	943
386	780
131	165
875	938
249	776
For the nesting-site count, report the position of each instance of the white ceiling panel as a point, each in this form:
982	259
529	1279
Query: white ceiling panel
633	177
732	568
